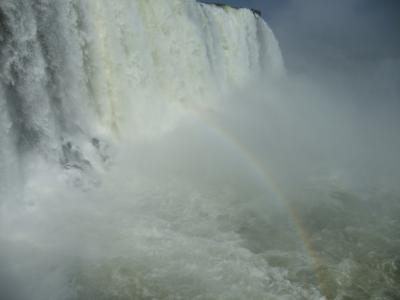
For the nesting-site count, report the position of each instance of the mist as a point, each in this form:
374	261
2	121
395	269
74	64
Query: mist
283	184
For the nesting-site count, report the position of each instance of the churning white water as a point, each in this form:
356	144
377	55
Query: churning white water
134	164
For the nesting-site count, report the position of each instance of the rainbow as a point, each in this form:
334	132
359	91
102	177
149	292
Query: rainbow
263	173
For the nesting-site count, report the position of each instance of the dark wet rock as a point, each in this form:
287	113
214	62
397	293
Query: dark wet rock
101	149
96	143
72	158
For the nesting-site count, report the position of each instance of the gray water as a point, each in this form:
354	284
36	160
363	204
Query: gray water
159	150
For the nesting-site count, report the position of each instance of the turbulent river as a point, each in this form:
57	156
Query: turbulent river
154	149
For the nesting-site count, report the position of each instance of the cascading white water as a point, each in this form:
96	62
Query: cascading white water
82	77
135	162
69	67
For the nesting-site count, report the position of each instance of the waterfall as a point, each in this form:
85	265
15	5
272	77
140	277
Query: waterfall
159	150
79	69
107	190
